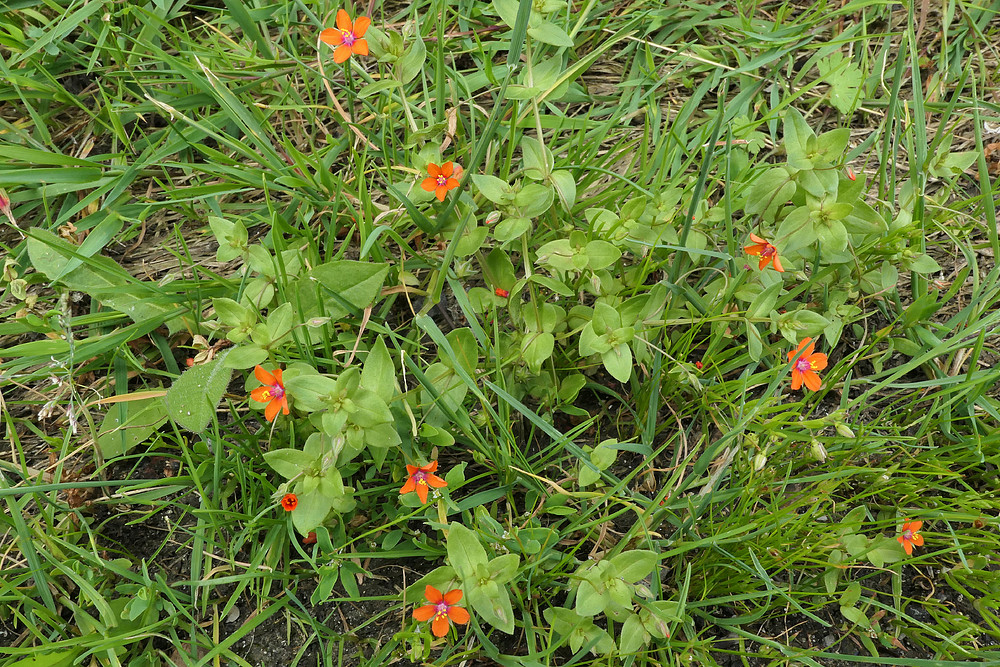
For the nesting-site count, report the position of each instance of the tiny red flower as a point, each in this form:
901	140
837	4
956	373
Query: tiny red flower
440	180
420	478
272	393
347	37
767	253
501	292
851	175
442	608
806	366
909	537
698	365
290	502
310	538
5	207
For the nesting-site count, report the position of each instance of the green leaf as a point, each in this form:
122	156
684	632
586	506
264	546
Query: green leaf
618	362
923	264
845	79
379	373
492	603
851	596
565	187
193	397
549	33
503	568
465	552
601	254
335	288
589	601
116	438
537	158
797	136
311	511
495	189
635	564
409	65
856	616
633	635
53	659
536	348
245	356
769	191
509	229
289	463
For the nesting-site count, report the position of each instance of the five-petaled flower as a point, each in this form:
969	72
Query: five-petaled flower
440	180
272	393
421	478
767	253
290	502
347	37
441	609
909	537
805	367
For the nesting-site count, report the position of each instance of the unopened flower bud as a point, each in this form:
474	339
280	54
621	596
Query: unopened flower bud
759	461
844	430
817	451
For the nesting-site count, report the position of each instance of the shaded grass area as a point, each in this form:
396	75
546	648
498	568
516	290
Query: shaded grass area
164	158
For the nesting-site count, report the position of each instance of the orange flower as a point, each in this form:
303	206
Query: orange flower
441	609
421	478
501	292
806	366
910	537
441	179
290	502
347	37
767	253
309	539
272	393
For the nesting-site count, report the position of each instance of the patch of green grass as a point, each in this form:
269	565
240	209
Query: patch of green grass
576	334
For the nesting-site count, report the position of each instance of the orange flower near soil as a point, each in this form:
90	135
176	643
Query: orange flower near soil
290	502
441	179
806	366
347	37
767	253
909	537
442	609
421	478
272	393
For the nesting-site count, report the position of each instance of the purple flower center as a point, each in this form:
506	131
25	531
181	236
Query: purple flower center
803	365
442	181
349	38
767	251
907	534
442	608
277	391
420	477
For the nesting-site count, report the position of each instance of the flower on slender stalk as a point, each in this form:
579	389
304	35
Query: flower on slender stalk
290	502
806	366
347	37
5	207
442	608
440	180
909	537
272	393
768	253
421	478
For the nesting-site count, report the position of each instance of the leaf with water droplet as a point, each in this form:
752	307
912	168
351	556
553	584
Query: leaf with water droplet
193	397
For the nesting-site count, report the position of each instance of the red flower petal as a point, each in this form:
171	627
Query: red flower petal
264	377
361	27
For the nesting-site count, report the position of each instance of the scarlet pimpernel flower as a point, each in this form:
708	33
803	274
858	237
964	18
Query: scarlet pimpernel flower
440	179
272	393
768	253
442	608
501	292
420	478
804	370
5	207
347	36
909	537
290	502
